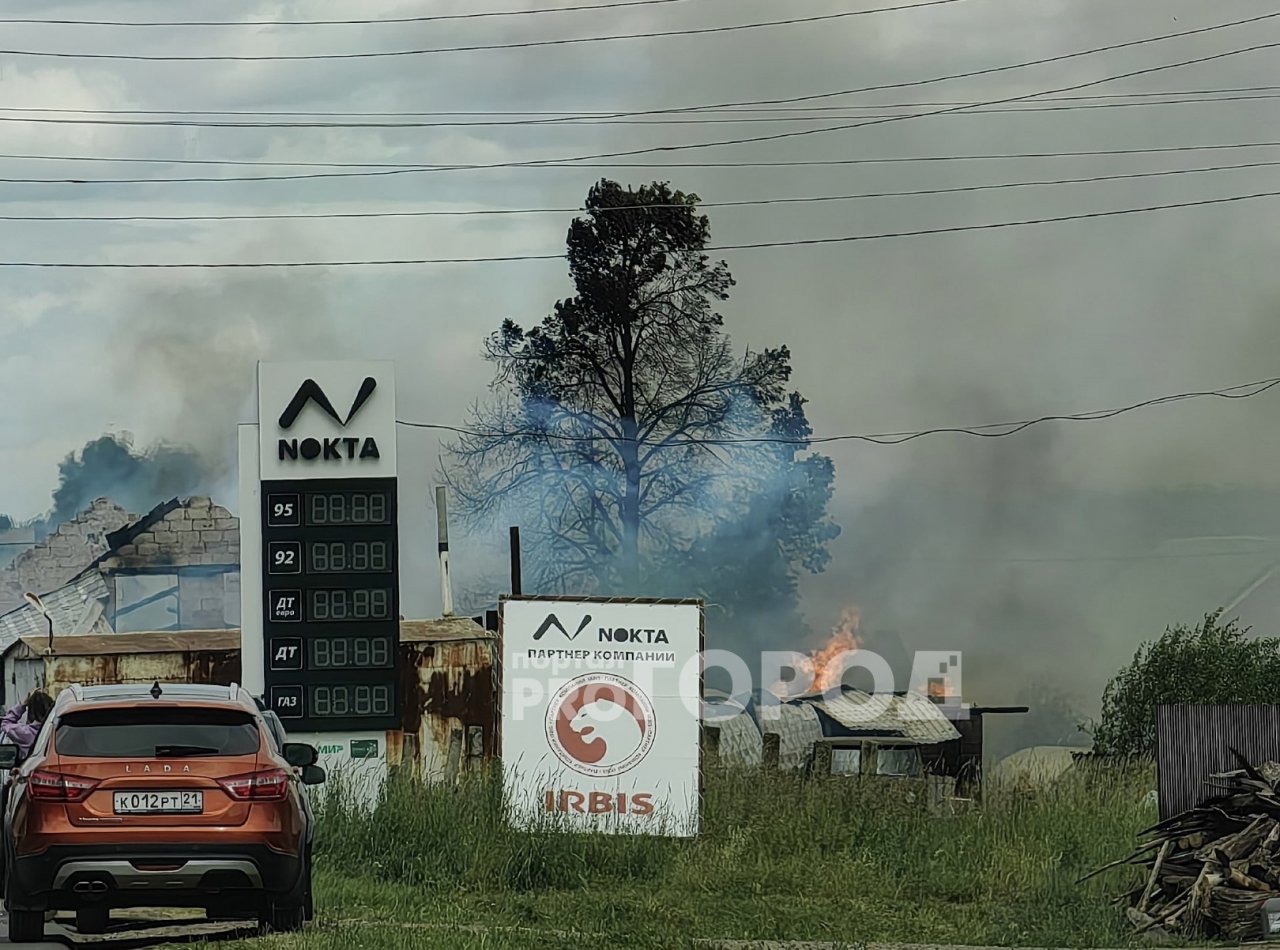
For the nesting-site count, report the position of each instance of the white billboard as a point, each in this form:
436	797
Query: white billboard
327	420
600	714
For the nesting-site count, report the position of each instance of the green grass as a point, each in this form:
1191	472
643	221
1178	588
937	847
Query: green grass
781	857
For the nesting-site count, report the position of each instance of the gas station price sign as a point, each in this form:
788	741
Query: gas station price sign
331	606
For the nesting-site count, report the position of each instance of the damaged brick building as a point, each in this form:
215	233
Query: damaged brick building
107	571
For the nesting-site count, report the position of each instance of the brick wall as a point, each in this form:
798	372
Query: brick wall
194	534
63	554
199	542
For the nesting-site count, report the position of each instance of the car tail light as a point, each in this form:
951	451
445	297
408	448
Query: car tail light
56	787
270	785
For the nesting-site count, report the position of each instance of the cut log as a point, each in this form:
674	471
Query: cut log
1155	874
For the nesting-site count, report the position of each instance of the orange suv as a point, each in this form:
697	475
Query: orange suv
136	796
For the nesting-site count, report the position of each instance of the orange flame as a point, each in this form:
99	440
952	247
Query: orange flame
823	664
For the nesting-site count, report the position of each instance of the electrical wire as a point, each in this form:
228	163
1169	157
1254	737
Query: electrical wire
433	18
995	430
742	203
412	167
476	48
971	74
1086	558
575	120
798	242
777	136
685	146
581	114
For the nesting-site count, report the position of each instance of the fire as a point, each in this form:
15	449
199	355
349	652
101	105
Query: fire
823	664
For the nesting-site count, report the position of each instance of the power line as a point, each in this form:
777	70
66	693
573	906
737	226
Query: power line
411	19
996	430
575	114
972	74
1089	558
526	44
799	242
750	202
987	71
825	114
696	145
777	136
412	167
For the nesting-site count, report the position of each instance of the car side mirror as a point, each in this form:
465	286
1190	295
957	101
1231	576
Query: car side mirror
300	754
313	775
10	756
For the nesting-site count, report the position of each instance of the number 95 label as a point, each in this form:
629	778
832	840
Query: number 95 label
283	511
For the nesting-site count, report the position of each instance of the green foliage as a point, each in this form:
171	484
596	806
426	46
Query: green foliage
1210	663
780	858
634	446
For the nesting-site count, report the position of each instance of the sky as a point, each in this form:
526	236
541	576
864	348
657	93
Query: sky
886	335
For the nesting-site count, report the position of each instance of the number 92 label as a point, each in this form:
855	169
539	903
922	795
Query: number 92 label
284	557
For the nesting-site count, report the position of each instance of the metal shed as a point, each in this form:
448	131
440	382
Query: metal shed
449	700
1195	741
193	656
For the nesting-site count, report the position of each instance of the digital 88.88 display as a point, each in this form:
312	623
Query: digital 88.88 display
331	582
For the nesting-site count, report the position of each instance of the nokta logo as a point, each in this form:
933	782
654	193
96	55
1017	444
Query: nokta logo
310	391
553	622
334	449
600	725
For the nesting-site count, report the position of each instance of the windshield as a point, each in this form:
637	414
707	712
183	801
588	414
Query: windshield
156	733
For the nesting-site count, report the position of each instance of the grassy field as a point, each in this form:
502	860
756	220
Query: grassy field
781	858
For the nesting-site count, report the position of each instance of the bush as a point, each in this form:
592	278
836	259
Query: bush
1210	663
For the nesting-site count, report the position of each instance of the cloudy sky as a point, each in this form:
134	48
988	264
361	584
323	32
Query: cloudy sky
905	333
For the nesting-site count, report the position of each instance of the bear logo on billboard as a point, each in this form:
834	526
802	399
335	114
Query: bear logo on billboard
600	725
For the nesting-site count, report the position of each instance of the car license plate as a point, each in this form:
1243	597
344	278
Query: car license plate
159	803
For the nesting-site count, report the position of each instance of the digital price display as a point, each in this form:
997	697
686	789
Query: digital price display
343	557
332	612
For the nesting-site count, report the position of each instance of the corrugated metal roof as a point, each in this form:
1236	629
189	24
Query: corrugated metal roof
911	716
443	628
798	729
76	609
134	643
740	740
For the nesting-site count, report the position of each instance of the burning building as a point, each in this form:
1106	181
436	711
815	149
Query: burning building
176	568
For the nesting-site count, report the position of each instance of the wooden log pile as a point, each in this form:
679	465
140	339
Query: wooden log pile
1208	870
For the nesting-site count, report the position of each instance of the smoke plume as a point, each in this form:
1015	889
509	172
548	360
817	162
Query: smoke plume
137	480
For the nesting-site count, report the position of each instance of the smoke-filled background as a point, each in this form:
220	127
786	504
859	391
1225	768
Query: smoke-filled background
1046	557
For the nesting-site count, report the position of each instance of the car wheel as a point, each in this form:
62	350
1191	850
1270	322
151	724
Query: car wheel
282	918
289	913
93	920
26	926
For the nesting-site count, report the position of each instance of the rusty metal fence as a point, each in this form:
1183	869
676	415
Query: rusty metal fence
1195	741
